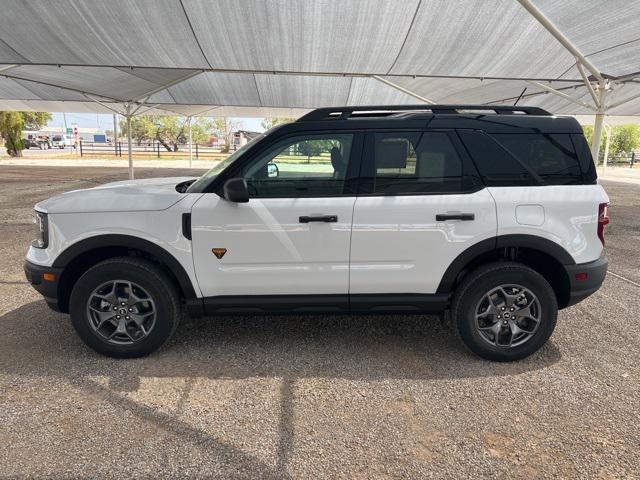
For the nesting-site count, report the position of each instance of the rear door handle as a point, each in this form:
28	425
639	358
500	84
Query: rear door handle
318	218
441	217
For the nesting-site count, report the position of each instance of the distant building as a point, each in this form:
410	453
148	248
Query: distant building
242	137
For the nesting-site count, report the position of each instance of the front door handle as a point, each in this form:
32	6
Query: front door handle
442	217
318	218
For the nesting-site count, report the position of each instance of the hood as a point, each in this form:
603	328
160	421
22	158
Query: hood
125	196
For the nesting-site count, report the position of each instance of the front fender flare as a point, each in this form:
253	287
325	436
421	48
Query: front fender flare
128	241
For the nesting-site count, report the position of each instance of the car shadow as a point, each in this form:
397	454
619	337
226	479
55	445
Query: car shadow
365	347
38	342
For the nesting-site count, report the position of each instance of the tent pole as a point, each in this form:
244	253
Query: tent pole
128	115
563	95
564	41
597	126
190	142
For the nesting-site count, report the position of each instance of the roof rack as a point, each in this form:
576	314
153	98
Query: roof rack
343	113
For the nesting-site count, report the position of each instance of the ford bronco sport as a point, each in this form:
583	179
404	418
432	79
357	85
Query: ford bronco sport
491	212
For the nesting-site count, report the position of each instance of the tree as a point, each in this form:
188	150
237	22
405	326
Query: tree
311	148
201	130
13	123
223	128
142	129
169	130
270	122
624	139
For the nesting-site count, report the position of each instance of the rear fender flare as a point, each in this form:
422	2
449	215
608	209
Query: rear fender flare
534	242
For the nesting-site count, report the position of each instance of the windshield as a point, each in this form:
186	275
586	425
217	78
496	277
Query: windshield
200	183
57	138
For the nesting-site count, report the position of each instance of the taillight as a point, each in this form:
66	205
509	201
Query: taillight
603	220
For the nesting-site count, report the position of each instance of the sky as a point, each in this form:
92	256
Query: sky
105	121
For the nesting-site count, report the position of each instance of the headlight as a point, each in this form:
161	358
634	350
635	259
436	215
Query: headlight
42	230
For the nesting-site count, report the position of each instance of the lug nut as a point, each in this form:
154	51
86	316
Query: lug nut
118	317
503	308
127	317
512	309
131	309
499	316
122	304
115	308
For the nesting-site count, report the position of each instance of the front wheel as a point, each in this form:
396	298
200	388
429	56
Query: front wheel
505	311
124	307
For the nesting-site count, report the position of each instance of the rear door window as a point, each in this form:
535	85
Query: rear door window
496	166
416	162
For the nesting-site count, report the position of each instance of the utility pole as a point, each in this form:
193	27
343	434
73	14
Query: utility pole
190	141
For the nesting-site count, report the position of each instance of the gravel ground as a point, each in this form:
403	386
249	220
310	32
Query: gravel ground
315	397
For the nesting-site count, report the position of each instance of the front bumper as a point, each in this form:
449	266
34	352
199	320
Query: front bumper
47	288
593	274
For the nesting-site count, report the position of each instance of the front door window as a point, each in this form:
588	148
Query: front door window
301	166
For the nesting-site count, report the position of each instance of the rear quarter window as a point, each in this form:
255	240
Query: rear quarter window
508	159
584	158
551	156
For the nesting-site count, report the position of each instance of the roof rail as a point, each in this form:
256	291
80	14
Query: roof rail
343	113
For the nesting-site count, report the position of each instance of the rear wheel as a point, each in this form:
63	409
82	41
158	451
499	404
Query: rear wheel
124	307
505	311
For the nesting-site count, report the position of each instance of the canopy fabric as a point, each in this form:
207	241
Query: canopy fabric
285	57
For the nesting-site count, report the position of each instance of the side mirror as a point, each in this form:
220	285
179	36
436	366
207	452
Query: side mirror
235	190
272	170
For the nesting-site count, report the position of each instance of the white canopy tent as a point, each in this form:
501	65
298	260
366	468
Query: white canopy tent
284	57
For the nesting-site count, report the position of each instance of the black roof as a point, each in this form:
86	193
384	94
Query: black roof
489	118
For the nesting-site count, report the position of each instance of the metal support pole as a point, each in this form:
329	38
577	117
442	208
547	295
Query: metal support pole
115	133
128	115
597	133
597	126
564	41
190	142
563	95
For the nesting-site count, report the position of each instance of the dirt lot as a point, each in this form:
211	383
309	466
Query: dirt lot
369	397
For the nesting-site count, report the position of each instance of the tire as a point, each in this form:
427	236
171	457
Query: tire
140	287
480	308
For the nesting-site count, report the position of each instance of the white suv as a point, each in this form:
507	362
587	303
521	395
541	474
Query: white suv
491	212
